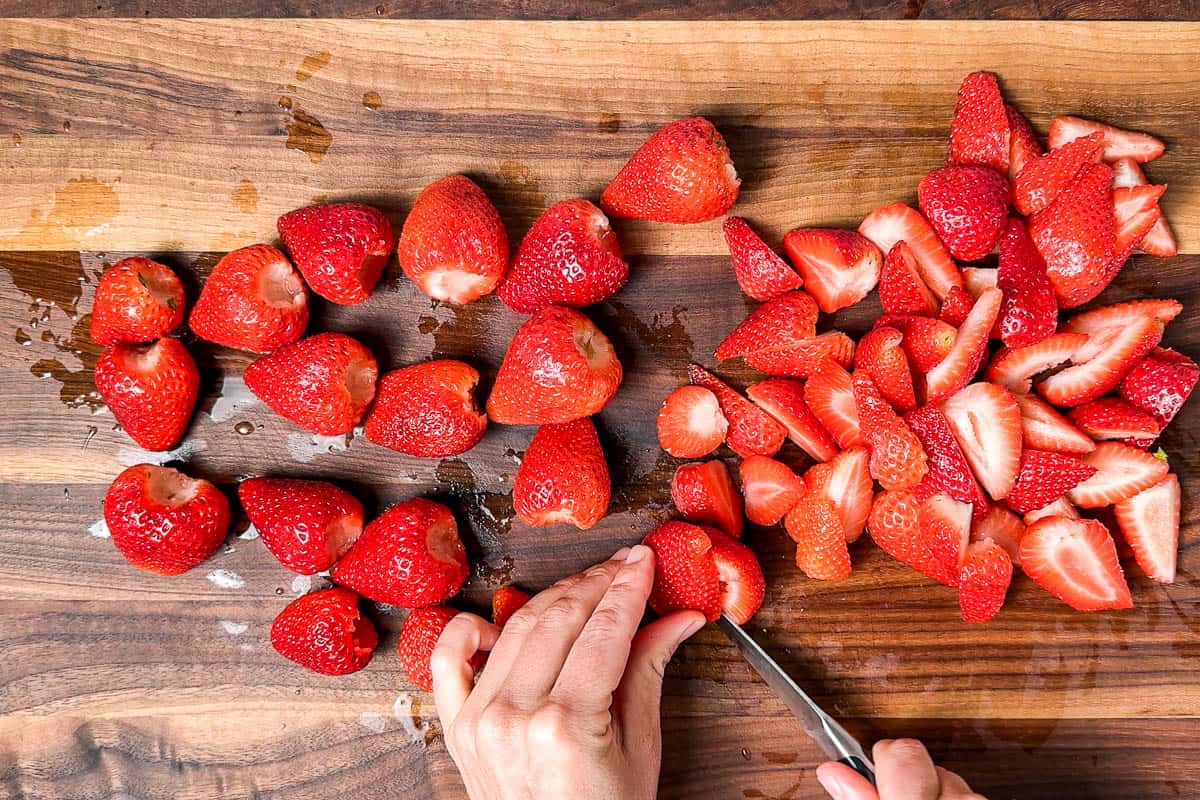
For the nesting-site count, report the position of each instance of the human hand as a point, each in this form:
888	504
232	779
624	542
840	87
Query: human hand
568	703
903	771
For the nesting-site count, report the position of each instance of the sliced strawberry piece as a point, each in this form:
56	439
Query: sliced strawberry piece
967	207
927	341
983	580
1098	366
770	489
880	356
1059	508
839	267
1121	472
956	307
945	527
1043	478
740	578
1015	368
751	430
506	601
690	423
1029	312
1043	428
1001	526
803	358
901	289
1150	523
894	525
704	494
685	573
980	132
895	223
986	421
1044	178
970	346
815	526
1117	143
1136	212
1076	561
976	279
1159	241
783	399
829	394
897	458
1160	383
1122	314
845	481
786	320
759	270
1114	418
1077	238
949	472
1026	145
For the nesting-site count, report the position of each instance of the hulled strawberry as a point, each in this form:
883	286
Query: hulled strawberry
340	248
1114	418
839	267
563	477
1076	561
983	581
150	389
1149	522
895	223
879	355
418	636
829	394
986	421
787	319
770	488
980	131
845	481
307	525
506	601
569	257
1117	143
901	289
783	399
976	279
751	430
705	570
967	207
1160	383
690	423
1044	178
253	300
897	458
759	270
324	631
704	494
162	521
137	300
1076	236
1045	477
927	341
821	552
428	410
1121	472
1029	310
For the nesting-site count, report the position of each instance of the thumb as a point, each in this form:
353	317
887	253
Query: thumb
639	696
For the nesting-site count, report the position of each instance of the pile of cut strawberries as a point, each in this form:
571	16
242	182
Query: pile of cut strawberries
976	476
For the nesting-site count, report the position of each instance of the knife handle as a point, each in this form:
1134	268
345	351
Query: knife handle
860	766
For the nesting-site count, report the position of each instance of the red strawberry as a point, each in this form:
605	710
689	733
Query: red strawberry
1025	146
983	581
897	458
253	300
959	366
803	358
690	423
704	494
340	249
786	320
563	478
927	341
325	632
703	569
506	601
980	132
1076	561
150	389
967	207
771	489
1077	238
1159	240
307	525
829	394
901	290
820	538
1114	418
880	356
1044	178
408	556
751	430
162	521
1123	314
683	173
1098	366
784	400
949	472
323	383
1014	368
137	300
986	421
759	270
1043	428
1029	312
1001	526
1118	143
845	481
1136	212
894	525
428	410
944	525
418	636
1160	383
1121	472
1043	478
976	279
895	223
956	307
1150	523
569	257
558	367
839	267
453	245
1059	508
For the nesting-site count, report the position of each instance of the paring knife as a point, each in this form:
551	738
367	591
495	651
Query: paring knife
823	729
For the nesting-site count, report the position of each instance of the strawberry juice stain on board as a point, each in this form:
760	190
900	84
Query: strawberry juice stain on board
80	209
245	196
308	135
372	101
311	64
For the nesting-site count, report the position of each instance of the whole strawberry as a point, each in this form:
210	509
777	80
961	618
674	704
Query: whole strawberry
563	477
253	300
418	636
324	631
453	244
967	207
409	556
558	367
162	521
150	389
569	257
137	300
428	410
307	525
340	249
683	173
323	383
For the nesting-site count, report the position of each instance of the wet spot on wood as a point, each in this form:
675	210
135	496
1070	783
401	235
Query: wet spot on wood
67	125
308	135
372	101
780	758
245	196
16	139
232	240
81	208
609	123
284	101
311	63
518	176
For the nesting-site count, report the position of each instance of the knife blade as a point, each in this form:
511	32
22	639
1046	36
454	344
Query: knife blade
823	729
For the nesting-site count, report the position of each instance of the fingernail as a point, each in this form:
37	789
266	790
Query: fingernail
620	555
637	553
831	782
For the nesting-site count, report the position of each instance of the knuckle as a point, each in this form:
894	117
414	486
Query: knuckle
498	722
550	726
562	611
607	622
521	622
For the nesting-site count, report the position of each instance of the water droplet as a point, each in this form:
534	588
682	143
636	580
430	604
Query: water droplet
23	338
745	753
66	493
381	9
278	590
372	101
67	125
244	428
87	439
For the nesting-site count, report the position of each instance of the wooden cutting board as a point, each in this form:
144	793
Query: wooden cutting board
183	139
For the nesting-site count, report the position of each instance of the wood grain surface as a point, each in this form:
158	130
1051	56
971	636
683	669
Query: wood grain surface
170	138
